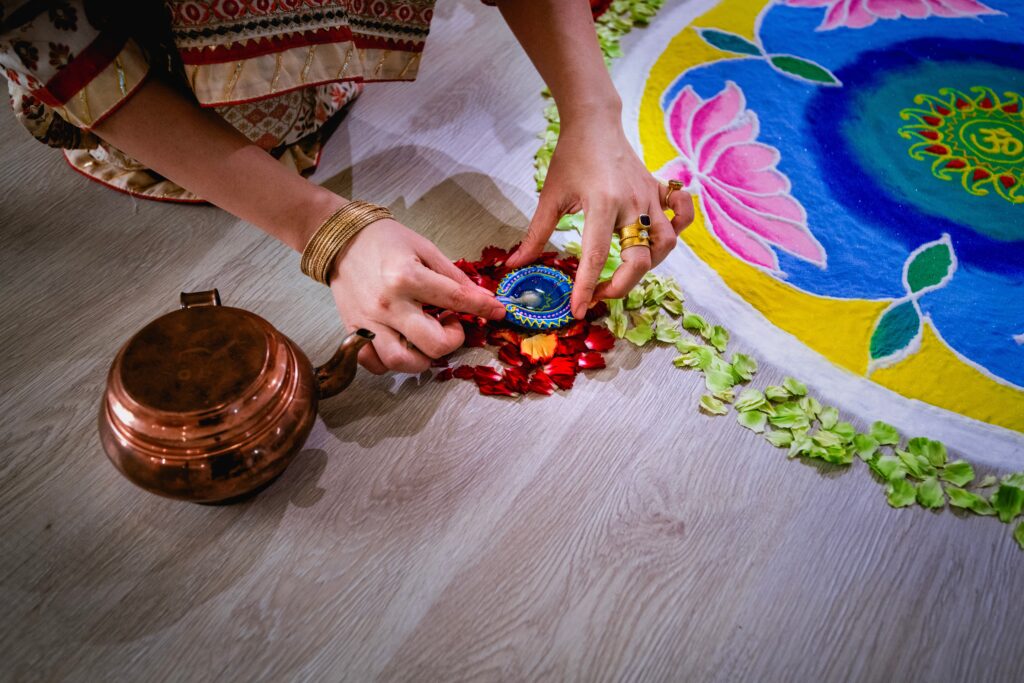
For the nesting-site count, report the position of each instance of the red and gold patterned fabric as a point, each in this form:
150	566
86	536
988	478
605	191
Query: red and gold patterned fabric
276	70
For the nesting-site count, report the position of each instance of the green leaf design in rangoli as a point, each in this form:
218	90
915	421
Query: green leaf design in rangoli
929	267
803	69
897	329
728	42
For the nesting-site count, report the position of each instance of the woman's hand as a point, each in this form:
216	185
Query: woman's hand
595	170
382	279
593	167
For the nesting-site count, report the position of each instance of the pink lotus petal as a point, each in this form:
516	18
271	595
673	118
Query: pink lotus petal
781	205
858	15
861	13
745	130
892	9
751	167
676	170
679	117
834	17
794	238
965	8
715	114
736	239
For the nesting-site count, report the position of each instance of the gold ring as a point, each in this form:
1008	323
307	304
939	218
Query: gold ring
643	222
673	185
634	231
628	242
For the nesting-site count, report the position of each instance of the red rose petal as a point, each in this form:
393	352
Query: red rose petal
444	375
476	336
503	335
496	390
517	379
599	338
486	374
488	283
466	267
570	346
509	354
577	329
441	362
541	383
493	255
560	366
567	265
597	311
463	372
563	382
592	360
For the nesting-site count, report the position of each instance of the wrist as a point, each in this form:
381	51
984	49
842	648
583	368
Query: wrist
316	208
601	111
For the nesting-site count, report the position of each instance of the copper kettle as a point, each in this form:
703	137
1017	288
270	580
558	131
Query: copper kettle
210	403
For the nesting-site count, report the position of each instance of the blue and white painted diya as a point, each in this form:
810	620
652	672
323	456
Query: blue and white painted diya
536	297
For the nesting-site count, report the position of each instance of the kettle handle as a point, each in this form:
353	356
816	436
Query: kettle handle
338	372
210	297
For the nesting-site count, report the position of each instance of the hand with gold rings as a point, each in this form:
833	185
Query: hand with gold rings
594	169
635	234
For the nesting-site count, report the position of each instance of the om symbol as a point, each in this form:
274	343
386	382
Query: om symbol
997	141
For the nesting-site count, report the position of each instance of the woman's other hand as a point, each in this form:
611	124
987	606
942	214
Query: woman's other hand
595	170
382	279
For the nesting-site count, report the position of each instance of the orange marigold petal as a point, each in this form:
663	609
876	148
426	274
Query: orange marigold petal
539	347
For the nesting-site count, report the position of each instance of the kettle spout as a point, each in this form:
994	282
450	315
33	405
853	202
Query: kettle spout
336	374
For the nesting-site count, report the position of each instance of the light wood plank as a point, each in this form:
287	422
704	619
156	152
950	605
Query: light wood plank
426	532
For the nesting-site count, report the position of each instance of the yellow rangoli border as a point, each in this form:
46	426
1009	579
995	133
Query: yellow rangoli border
839	329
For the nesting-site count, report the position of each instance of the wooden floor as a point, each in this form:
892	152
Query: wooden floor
426	532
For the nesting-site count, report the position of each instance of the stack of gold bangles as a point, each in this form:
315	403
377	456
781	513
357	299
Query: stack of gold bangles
636	234
334	234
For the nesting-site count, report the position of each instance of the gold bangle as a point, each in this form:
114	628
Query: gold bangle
332	236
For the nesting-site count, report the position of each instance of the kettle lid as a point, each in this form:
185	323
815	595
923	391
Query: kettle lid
196	358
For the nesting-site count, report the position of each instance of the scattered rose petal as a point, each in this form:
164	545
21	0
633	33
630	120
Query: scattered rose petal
597	311
503	335
518	379
592	360
509	354
475	336
485	374
570	346
599	338
577	329
496	390
444	375
441	362
541	383
463	372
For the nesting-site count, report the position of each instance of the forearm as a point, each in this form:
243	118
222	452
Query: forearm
559	37
198	150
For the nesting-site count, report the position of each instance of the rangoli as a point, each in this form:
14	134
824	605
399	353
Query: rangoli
857	168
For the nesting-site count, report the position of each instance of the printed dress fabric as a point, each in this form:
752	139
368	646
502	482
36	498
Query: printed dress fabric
279	71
